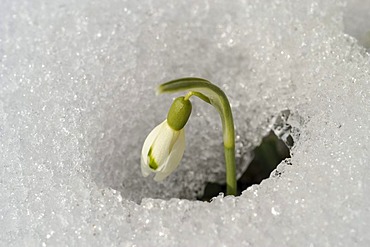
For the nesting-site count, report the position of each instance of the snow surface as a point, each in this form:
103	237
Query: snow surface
77	101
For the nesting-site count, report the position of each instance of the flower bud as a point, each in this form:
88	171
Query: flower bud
162	151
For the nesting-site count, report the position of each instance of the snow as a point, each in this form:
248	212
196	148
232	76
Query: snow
77	101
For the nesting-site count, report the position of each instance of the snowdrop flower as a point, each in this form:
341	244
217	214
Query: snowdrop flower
165	145
163	148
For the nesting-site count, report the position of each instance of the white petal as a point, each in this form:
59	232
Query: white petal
173	159
160	176
163	144
145	170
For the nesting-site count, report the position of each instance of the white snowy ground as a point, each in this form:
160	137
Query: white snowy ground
77	100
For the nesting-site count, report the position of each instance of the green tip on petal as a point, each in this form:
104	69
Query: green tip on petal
152	163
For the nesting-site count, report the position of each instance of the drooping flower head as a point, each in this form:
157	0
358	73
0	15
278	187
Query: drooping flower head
165	145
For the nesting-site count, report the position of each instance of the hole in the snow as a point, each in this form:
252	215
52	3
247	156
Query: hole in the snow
266	158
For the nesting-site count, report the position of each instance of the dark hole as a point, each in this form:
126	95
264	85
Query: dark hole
266	157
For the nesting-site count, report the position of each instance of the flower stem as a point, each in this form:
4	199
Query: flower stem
231	187
199	95
213	95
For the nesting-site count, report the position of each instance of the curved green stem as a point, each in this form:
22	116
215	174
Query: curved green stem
213	95
199	95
